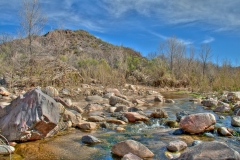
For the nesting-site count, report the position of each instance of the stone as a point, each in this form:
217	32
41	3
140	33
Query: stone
115	121
88	139
169	101
96	119
113	100
158	98
120	129
66	92
134	116
121	109
94	98
31	116
4	92
132	146
196	142
68	101
172	123
222	109
159	113
181	114
235	121
197	123
207	134
73	116
51	91
178	132
224	131
93	107
112	90
210	150
108	95
87	125
131	156
209	103
6	149
112	109
176	146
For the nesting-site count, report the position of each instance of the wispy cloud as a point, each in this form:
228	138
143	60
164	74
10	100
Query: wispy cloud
208	40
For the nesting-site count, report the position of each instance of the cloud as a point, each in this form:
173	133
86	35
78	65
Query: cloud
208	40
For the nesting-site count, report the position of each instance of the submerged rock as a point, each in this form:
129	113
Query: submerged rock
198	123
210	150
175	146
90	139
30	117
131	156
132	146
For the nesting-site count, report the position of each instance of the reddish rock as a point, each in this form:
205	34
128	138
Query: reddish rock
136	148
197	123
115	121
30	117
134	116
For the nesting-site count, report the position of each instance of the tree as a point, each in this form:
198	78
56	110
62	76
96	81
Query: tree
32	21
205	55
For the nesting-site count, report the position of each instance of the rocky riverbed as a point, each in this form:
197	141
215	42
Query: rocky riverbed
105	123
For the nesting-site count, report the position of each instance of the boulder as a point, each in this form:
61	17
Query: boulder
210	151
113	100
94	98
93	107
6	149
158	98
209	103
136	148
96	119
51	91
31	116
159	113
88	139
235	121
224	131
198	123
134	116
115	121
181	114
222	109
87	125
131	156
176	146
73	116
4	92
169	101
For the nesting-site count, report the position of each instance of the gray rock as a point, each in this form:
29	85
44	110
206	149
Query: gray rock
210	151
6	149
90	139
94	98
235	121
196	142
131	156
175	146
209	103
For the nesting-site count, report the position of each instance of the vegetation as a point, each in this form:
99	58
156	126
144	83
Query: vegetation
66	57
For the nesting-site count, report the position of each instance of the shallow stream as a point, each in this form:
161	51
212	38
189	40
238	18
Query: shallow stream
154	135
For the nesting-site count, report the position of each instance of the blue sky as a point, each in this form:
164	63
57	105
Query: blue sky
143	24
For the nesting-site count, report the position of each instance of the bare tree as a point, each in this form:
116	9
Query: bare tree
205	55
32	20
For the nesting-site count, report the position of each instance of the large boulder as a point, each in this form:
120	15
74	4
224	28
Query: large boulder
210	151
134	147
30	117
134	116
198	123
209	103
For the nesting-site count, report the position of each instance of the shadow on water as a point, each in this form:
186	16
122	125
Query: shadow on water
153	135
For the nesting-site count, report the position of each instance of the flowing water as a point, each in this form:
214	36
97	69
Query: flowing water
153	135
